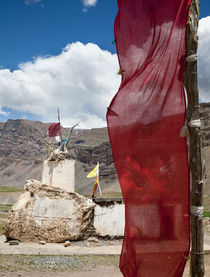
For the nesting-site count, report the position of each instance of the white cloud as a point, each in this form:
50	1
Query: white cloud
30	2
81	81
3	112
89	3
204	59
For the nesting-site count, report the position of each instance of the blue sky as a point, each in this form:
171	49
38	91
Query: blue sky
60	53
45	27
204	8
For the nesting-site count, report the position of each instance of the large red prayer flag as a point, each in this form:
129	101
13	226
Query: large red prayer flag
54	130
144	122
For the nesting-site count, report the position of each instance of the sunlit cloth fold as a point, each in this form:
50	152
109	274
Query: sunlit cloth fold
54	130
93	172
95	185
144	122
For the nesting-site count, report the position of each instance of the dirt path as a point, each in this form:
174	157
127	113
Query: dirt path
104	247
77	248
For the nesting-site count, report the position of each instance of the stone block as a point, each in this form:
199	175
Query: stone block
59	174
44	213
109	221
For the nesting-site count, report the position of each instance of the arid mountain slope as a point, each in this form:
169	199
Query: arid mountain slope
23	149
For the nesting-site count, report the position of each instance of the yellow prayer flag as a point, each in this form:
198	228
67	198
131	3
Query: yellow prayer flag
93	172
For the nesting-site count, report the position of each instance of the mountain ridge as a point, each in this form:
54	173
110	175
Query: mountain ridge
23	149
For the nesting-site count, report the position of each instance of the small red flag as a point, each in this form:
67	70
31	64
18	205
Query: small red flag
54	130
95	185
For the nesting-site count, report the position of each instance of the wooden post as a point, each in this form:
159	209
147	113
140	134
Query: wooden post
193	119
59	120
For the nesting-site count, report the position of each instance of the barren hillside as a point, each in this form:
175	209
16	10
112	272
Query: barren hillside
23	149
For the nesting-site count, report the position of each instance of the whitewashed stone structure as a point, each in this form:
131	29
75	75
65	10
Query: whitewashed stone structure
59	174
50	214
47	213
109	220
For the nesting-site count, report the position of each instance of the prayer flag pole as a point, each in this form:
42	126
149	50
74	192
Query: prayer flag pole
194	124
59	120
99	187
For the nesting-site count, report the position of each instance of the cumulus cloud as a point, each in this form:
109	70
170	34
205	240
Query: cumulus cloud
88	3
204	59
81	81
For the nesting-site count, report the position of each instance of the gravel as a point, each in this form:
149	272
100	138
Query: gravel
52	262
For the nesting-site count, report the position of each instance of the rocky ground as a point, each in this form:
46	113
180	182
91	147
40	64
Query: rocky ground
27	266
62	266
81	259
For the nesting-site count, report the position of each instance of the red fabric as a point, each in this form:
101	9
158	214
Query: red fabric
144	122
54	130
95	185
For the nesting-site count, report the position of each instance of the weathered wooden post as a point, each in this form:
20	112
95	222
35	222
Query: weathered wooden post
194	124
59	120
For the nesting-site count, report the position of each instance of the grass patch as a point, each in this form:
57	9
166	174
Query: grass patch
5	207
206	214
9	189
